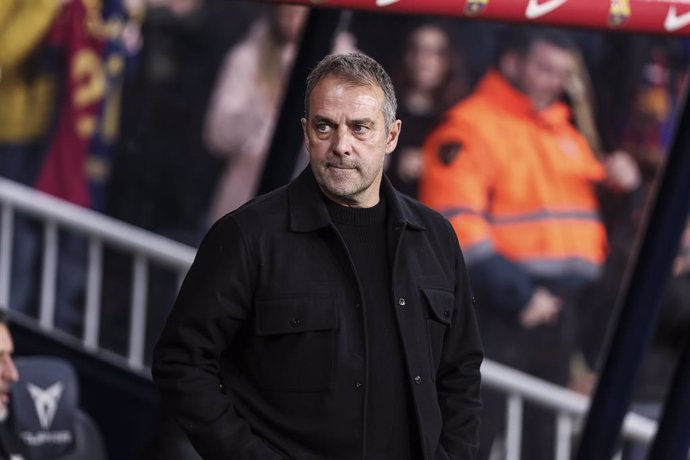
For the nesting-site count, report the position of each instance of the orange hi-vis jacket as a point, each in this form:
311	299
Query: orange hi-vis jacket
516	182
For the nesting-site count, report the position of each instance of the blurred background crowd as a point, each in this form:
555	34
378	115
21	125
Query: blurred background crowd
160	113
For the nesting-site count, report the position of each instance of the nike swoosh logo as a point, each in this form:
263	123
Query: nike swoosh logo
674	22
536	10
385	2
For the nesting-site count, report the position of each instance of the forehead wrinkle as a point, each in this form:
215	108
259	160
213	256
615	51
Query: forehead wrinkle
349	112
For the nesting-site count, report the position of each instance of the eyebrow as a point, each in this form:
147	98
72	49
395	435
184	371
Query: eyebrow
362	121
358	121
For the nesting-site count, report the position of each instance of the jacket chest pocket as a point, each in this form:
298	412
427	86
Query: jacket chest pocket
295	343
441	304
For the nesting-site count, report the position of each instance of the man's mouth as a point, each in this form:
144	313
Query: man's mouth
341	166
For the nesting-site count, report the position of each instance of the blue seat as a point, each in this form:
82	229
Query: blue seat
46	415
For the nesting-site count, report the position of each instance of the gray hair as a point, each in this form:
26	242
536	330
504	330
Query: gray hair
357	69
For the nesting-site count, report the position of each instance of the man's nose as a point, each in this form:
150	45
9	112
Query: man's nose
342	141
9	371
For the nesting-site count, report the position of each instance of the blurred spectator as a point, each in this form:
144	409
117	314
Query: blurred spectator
11	447
163	182
27	106
246	99
517	181
649	126
429	80
645	136
87	35
27	91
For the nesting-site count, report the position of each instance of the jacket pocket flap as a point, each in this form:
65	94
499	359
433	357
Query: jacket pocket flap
441	303
294	315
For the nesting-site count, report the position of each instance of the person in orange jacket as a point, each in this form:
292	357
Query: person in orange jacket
518	183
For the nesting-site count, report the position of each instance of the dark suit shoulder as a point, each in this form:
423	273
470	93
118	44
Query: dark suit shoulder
427	215
260	212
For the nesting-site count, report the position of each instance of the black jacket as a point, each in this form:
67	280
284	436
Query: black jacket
261	354
11	446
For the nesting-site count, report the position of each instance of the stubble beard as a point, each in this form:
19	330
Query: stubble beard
344	185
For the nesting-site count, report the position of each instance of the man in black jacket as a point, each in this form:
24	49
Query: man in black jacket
331	318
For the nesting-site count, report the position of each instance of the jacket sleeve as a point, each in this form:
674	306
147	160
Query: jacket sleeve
23	24
458	180
458	379
213	304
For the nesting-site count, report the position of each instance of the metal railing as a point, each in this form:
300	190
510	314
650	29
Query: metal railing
146	247
568	405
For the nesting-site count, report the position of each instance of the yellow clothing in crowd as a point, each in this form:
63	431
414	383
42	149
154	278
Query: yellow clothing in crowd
26	97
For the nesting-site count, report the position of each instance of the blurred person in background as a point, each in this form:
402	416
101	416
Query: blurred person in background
246	99
518	182
662	358
11	446
429	80
84	40
160	182
27	90
28	96
645	133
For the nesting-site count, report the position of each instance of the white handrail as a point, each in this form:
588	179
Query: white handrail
145	247
559	399
83	220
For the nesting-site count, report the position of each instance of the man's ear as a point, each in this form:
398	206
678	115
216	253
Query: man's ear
304	130
393	136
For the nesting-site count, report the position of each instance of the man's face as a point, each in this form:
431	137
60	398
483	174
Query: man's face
347	140
8	372
542	73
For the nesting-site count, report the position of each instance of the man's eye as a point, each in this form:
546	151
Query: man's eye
323	127
359	129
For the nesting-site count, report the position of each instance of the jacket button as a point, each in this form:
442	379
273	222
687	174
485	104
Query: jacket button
401	301
446	313
418	380
295	322
474	300
358	384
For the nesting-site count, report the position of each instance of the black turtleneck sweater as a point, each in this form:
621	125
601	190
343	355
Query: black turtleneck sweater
391	428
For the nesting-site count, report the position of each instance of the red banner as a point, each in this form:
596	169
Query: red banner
668	17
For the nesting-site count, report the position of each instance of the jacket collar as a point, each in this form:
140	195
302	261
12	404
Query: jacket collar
495	87
308	211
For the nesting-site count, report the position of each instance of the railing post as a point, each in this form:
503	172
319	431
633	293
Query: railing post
137	326
514	427
49	277
564	431
93	294
6	232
